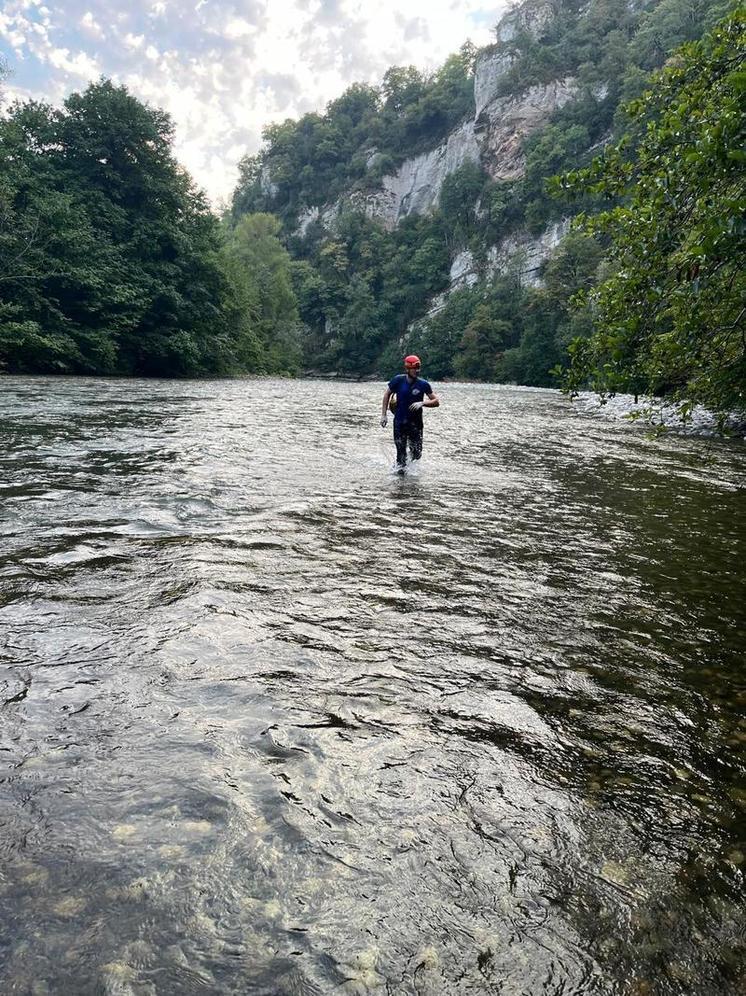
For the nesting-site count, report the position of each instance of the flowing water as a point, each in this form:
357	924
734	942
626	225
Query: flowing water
276	721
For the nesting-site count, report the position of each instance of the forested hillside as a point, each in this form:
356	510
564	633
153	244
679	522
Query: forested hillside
417	213
111	262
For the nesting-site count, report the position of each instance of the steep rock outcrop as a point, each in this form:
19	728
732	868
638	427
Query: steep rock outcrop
415	187
531	17
505	122
488	73
325	215
463	271
493	63
525	254
520	253
494	138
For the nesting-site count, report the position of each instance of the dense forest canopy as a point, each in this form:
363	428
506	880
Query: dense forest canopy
112	262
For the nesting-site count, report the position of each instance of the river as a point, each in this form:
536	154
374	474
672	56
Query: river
276	721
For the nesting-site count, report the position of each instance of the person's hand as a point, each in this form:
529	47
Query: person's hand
384	421
416	405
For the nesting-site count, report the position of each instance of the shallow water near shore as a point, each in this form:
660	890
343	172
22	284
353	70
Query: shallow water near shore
276	721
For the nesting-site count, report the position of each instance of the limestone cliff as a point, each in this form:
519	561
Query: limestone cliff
505	122
493	137
415	187
521	254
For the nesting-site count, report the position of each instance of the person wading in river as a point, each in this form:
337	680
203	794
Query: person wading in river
412	395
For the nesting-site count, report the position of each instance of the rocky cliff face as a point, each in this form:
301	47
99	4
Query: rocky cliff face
505	122
494	137
520	253
530	19
525	254
496	134
415	187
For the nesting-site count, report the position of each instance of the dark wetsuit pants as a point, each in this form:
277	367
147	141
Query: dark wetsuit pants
407	434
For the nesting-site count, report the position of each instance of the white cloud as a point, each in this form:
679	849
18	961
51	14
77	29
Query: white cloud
80	64
90	25
133	41
237	27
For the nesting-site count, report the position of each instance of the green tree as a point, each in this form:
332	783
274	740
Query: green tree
555	146
532	360
255	251
671	23
459	196
670	317
110	260
482	344
402	86
572	267
358	333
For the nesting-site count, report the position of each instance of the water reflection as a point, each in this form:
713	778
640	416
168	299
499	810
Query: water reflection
277	721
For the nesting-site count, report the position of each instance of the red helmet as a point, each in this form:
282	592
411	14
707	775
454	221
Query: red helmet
412	361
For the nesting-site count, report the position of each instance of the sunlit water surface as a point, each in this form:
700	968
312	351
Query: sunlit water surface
275	721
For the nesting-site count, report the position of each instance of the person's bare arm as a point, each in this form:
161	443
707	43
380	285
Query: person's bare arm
385	408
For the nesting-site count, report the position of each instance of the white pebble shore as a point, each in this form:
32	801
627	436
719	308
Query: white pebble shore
623	406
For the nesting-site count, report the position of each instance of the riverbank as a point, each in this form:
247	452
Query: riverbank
699	422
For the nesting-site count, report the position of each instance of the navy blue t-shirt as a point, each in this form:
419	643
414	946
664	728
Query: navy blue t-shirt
407	392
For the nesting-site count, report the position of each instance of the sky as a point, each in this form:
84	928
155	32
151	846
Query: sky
224	69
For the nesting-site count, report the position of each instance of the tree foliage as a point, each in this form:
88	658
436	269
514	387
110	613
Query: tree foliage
110	259
670	317
261	267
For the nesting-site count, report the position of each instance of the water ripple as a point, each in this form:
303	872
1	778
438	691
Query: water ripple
274	720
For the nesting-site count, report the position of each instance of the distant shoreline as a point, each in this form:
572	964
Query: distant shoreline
701	422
